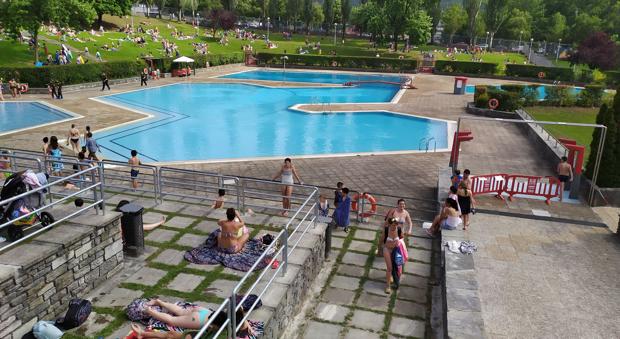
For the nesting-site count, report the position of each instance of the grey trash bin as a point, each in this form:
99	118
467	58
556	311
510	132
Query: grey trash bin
133	231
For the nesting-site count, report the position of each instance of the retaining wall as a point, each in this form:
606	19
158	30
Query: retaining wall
38	278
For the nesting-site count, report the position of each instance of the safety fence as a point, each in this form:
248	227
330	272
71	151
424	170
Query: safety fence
524	185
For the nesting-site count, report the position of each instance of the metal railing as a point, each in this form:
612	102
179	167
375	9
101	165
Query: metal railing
95	186
544	134
116	175
386	202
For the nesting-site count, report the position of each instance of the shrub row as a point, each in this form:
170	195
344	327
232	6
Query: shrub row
612	78
91	72
530	71
338	61
512	96
467	67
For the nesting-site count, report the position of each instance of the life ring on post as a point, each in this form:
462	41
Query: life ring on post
23	88
541	75
493	103
365	196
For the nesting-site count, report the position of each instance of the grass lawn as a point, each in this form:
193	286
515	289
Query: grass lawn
583	135
493	57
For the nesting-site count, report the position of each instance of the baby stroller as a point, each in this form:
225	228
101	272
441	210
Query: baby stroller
14	185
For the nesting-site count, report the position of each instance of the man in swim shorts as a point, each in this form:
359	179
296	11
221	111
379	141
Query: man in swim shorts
73	137
565	174
134	161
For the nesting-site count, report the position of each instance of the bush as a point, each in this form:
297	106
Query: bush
466	67
508	101
591	96
479	90
559	96
338	61
526	94
529	71
612	78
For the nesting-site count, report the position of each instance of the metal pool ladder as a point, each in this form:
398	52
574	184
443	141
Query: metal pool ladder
426	142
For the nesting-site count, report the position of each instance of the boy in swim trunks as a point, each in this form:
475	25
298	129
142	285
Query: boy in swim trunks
74	138
134	161
565	174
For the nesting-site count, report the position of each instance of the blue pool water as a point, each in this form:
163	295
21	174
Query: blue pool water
19	115
542	90
232	121
314	77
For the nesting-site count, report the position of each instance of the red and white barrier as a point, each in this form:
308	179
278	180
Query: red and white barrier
547	187
489	183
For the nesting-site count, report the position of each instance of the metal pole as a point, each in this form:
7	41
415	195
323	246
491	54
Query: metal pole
455	164
268	29
529	56
233	314
557	53
285	252
102	187
335	31
92	178
599	156
229	315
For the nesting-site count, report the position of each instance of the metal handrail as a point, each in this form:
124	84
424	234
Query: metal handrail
112	166
193	183
211	319
431	210
434	144
97	201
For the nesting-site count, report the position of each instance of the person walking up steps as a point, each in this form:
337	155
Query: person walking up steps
104	82
565	174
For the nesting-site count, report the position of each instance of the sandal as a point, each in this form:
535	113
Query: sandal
388	290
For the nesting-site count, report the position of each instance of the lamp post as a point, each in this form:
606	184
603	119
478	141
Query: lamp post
520	34
284	58
268	24
486	41
529	56
335	31
557	53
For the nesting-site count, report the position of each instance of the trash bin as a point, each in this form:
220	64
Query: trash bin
459	85
133	231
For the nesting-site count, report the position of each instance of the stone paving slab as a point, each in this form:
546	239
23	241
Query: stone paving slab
414	280
191	240
117	297
180	222
345	283
407	327
379	263
355	333
419	255
255	219
170	206
412	294
276	221
376	274
367	320
93	324
152	217
375	287
353	271
425	243
374	302
206	226
121	332
338	296
409	309
365	235
185	282
418	269
221	288
198	211
218	214
144	202
206	268
354	259
146	276
317	329
170	257
160	235
360	246
331	312
337	242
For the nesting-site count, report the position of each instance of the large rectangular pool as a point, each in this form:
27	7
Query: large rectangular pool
19	115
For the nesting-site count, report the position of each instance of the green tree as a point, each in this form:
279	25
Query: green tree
433	8
495	16
275	10
398	13
519	21
607	176
328	13
29	15
317	14
192	5
472	7
148	4
112	7
556	27
160	6
419	27
292	11
306	14
585	25
345	12
453	18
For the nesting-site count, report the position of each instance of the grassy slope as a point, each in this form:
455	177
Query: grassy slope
583	135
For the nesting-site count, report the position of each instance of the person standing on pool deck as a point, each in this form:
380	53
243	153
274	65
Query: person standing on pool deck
565	174
286	174
92	147
51	89
1	95
59	90
104	82
338	193
74	137
143	77
134	161
466	178
341	213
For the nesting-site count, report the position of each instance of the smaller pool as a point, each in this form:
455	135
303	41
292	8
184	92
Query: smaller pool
17	116
542	90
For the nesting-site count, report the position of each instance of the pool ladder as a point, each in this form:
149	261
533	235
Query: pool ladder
325	106
426	142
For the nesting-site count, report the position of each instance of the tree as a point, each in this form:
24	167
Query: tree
398	13
519	21
222	18
275	10
433	8
29	15
191	4
328	13
495	15
112	7
229	5
585	25
608	172
317	14
598	51
345	12
419	27
306	14
453	18
148	4
556	27
472	7
292	11
160	6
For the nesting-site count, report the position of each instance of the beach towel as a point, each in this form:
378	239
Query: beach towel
210	254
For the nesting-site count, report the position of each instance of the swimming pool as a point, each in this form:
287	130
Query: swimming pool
541	90
313	77
20	115
221	121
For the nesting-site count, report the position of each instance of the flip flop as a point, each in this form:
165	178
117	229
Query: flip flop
275	264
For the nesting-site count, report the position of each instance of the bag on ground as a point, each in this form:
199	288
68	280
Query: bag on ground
78	312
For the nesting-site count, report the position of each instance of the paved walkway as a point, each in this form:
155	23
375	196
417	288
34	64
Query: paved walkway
541	279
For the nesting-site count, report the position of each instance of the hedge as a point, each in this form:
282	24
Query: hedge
467	67
338	61
71	74
529	71
612	78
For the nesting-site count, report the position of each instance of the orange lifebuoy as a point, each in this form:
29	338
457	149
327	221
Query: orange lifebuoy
541	75
365	196
23	88
493	103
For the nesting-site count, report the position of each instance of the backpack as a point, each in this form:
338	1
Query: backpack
78	312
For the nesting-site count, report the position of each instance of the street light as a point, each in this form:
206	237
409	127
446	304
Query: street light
486	41
335	30
268	19
284	58
557	53
529	56
520	34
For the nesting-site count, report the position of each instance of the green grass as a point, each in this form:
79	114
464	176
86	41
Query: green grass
493	57
583	135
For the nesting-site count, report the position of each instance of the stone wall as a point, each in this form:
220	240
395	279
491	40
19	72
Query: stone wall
39	277
489	113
